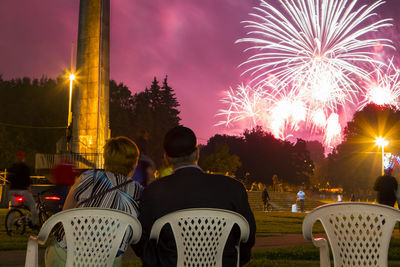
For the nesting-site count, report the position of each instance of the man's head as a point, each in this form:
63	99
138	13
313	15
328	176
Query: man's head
120	155
180	146
20	156
388	171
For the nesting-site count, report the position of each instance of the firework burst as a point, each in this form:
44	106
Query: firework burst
384	87
317	51
244	103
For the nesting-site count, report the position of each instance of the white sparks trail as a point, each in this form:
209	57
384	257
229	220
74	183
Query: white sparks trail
384	86
318	51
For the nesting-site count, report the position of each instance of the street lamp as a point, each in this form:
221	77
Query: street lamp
71	80
380	141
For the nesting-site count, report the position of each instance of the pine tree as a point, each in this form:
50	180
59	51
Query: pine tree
155	112
170	104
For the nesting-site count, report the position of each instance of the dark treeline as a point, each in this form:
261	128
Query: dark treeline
33	116
261	156
36	105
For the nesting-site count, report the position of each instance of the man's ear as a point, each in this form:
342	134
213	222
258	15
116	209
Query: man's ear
165	158
197	154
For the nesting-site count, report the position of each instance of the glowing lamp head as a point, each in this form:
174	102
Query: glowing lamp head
72	77
380	141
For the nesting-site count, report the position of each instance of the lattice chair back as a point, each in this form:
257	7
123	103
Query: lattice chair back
200	234
358	233
93	235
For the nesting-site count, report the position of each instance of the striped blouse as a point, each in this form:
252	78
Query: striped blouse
124	198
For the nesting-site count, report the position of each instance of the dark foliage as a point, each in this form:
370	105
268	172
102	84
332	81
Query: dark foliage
38	104
146	116
262	156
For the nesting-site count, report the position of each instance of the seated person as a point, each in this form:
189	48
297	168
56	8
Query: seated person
189	187
145	169
89	190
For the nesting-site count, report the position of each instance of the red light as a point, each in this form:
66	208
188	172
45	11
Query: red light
20	199
52	198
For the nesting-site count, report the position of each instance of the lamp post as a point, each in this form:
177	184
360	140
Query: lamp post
72	77
71	80
380	141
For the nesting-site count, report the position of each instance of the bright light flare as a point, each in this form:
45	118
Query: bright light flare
381	142
72	77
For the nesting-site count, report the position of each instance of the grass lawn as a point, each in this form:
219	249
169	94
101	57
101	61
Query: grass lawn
268	224
281	222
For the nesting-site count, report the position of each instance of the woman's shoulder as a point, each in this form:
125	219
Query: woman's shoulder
91	176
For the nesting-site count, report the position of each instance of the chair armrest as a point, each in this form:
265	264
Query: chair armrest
32	259
321	243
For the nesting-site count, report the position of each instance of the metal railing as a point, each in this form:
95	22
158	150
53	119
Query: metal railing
3	177
80	161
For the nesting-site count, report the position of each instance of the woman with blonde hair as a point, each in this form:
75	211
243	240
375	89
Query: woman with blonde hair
108	188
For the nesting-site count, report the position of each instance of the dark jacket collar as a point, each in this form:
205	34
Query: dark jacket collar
187	167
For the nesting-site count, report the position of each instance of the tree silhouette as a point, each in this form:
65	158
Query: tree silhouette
356	162
262	156
28	111
221	161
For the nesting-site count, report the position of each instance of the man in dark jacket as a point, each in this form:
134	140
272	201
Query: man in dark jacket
386	186
189	187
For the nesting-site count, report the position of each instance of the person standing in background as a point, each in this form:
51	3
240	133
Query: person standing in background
386	187
301	196
20	183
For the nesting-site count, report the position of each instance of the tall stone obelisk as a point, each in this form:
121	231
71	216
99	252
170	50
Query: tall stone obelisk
90	126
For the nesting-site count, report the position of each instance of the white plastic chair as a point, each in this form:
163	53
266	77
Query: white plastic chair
358	233
93	235
200	234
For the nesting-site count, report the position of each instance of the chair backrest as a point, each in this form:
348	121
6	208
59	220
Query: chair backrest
200	234
358	233
93	235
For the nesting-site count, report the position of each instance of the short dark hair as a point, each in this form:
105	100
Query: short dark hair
179	142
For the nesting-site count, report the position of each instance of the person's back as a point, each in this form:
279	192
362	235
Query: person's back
190	187
386	187
109	188
19	176
301	196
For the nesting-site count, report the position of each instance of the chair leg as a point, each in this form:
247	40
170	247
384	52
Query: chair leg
324	257
32	258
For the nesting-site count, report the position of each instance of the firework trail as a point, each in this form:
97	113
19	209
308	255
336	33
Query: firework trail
384	87
317	51
244	103
333	129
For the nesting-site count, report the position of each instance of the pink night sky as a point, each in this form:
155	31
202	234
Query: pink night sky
191	41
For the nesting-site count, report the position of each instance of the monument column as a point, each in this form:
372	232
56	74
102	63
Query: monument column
91	96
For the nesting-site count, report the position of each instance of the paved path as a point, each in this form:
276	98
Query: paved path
17	257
